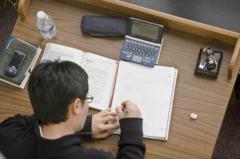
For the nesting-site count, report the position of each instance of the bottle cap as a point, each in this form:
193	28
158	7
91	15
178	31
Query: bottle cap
41	14
193	116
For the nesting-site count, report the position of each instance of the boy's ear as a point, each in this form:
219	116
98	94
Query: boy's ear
76	106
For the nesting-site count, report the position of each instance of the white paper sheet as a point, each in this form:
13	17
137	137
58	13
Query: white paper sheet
152	89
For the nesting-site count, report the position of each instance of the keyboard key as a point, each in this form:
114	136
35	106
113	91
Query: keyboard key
141	49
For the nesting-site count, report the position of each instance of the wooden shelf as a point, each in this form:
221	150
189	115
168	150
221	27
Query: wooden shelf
233	64
169	21
172	22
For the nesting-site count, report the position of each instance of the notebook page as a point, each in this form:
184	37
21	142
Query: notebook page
101	78
62	53
151	89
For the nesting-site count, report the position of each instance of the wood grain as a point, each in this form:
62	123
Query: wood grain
188	139
233	64
23	6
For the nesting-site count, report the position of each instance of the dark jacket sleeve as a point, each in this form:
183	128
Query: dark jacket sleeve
15	132
15	127
131	139
87	128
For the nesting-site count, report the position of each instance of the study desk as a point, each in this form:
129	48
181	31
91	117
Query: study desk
188	139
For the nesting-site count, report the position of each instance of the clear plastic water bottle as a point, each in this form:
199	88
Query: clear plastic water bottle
46	25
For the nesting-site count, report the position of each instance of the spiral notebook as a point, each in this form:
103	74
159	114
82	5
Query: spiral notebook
111	82
152	89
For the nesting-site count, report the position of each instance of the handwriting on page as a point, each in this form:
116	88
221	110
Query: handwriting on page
150	89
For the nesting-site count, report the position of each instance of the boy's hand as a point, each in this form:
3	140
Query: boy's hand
128	110
102	124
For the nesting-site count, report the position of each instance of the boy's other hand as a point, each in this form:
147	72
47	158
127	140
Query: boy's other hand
128	110
102	124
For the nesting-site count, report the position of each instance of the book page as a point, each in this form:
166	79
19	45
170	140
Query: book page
151	89
62	53
101	78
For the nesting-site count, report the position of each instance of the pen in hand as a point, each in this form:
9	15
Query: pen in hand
124	108
127	109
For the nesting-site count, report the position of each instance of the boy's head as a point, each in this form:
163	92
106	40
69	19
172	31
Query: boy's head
57	91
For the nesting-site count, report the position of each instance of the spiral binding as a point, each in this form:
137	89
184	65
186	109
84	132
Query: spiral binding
171	103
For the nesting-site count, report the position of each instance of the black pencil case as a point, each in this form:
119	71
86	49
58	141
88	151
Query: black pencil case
104	26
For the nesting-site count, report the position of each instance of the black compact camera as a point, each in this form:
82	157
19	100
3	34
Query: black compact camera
208	63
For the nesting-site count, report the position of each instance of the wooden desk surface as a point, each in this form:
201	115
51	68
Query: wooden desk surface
208	98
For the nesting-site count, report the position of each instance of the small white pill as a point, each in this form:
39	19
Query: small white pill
193	116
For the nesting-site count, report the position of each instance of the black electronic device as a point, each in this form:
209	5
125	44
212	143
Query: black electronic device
145	30
15	64
143	42
208	63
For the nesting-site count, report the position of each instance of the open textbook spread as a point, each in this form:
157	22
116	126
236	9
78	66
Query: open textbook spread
111	82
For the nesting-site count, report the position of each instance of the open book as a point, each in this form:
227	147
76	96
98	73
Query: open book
112	82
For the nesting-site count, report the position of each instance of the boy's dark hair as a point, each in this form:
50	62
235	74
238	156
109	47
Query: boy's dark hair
53	86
